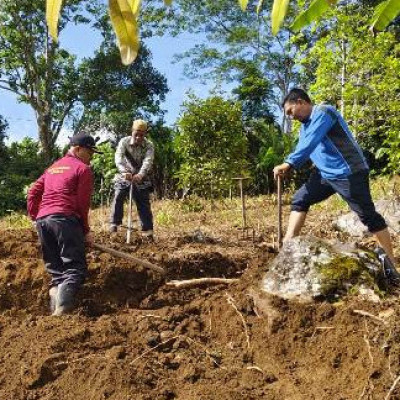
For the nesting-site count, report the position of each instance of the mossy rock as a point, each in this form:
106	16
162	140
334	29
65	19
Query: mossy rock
308	268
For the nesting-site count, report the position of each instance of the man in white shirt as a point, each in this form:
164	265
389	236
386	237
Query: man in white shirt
134	160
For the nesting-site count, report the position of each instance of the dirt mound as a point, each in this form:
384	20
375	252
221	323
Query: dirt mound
133	337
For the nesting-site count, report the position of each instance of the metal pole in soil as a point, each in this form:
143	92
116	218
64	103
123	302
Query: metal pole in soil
243	204
103	217
279	211
129	230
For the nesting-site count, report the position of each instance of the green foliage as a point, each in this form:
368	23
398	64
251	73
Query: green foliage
113	95
16	220
191	203
22	166
163	218
239	47
104	169
211	145
384	13
255	93
58	88
372	83
166	160
35	68
312	13
267	147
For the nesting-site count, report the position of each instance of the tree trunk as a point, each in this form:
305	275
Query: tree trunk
46	137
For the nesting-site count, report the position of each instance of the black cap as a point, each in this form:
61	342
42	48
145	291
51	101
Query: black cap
84	140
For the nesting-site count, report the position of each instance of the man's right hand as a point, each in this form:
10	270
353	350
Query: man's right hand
281	170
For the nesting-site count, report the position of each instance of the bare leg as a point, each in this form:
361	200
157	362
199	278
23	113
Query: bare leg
296	222
383	238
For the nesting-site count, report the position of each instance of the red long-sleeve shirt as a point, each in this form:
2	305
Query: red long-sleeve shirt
64	188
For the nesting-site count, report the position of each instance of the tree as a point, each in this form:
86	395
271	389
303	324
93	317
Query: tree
239	48
112	95
211	145
35	68
255	94
51	81
3	148
363	81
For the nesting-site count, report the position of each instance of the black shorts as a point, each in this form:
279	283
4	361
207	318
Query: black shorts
354	190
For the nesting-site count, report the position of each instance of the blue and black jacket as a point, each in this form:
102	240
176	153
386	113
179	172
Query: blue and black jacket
326	139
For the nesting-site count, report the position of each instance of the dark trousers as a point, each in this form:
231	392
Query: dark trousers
63	247
354	190
141	196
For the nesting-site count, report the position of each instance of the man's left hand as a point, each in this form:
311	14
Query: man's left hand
137	178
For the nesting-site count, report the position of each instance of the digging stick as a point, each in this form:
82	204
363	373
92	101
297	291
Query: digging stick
128	232
201	281
279	211
128	257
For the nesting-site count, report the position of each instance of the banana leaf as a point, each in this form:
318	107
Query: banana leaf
259	6
316	9
278	13
53	8
135	5
384	14
243	4
125	26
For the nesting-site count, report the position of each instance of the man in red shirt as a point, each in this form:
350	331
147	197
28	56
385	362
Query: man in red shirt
59	202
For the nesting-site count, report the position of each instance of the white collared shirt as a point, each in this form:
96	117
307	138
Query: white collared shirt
143	154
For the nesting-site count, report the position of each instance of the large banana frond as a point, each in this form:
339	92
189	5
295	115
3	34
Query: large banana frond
53	8
125	26
278	13
384	14
135	6
259	6
243	4
316	9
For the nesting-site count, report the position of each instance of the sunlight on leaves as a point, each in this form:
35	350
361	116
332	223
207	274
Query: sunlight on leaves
316	9
384	14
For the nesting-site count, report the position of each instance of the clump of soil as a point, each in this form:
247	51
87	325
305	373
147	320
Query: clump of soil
133	337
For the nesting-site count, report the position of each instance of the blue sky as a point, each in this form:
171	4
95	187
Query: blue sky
82	41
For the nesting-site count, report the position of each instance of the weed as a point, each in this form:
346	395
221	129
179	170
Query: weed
15	220
164	218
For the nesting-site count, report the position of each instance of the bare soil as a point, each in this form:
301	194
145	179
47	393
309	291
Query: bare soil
133	337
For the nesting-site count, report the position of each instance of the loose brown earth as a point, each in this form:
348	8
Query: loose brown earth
135	338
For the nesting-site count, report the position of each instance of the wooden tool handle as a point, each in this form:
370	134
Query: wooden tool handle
128	257
279	211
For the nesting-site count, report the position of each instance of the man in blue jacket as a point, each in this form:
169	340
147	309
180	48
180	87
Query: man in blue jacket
341	168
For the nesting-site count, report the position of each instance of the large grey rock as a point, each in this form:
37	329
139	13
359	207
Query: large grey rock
389	209
307	267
